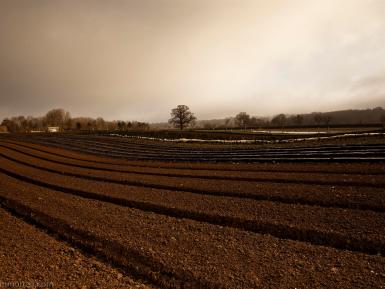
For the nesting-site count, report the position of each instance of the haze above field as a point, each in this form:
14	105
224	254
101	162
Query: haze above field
138	59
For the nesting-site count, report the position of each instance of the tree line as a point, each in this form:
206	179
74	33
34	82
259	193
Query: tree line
63	120
243	120
182	117
318	119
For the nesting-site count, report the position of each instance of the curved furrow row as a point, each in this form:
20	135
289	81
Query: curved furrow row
133	147
345	229
106	243
349	155
363	169
344	197
335	168
27	251
177	146
323	179
184	225
165	147
236	154
178	253
172	148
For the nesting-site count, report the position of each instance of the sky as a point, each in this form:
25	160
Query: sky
137	59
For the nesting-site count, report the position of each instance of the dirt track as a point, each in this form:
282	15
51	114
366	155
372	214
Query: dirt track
205	225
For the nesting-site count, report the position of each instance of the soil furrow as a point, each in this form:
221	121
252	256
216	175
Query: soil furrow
344	197
30	255
350	179
181	253
143	146
331	227
362	169
350	156
214	153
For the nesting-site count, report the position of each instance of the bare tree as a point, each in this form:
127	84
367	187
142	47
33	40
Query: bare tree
140	125
181	117
112	125
15	124
121	125
89	125
100	124
57	117
298	119
253	122
242	119
62	118
279	120
257	122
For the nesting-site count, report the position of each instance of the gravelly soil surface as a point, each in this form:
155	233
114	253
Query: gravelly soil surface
191	225
28	255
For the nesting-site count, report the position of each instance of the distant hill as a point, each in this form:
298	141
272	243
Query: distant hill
341	117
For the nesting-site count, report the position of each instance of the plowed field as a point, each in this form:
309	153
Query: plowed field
114	221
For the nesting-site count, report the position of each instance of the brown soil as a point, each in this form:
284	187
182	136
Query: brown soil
192	225
335	168
324	177
351	229
335	193
135	150
172	252
30	256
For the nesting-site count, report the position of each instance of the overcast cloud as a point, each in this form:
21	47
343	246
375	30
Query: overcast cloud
136	59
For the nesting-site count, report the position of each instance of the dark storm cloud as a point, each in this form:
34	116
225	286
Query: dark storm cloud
137	59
